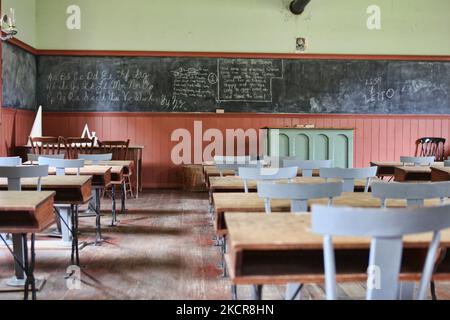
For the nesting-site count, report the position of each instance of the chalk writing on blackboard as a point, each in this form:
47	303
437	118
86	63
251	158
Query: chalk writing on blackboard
247	79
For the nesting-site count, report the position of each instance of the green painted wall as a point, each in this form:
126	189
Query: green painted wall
330	26
25	11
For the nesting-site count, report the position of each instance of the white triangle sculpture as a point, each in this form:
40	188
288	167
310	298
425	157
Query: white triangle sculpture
87	133
36	130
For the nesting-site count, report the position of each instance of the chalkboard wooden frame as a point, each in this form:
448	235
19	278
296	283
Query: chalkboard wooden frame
343	57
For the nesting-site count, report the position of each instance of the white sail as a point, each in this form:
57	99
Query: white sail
36	130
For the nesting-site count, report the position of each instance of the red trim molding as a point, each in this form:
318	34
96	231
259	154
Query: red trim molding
238	55
255	55
24	46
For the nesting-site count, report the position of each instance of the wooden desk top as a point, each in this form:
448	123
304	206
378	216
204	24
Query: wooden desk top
280	248
26	211
69	189
251	202
277	231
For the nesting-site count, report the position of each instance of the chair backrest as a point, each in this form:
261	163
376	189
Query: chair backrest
298	193
222	167
414	193
79	145
417	161
46	145
10	161
95	158
386	227
119	149
430	146
260	174
231	159
62	164
278	162
349	175
307	166
35	157
14	173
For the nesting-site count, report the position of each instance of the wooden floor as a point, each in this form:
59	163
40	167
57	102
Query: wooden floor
162	249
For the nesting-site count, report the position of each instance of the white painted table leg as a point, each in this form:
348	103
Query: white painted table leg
66	225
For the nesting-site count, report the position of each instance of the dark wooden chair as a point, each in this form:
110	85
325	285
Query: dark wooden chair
79	145
119	150
430	146
46	145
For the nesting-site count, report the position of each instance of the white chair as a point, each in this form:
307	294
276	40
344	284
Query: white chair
14	174
387	228
349	175
417	161
10	161
222	167
96	158
278	162
414	193
62	164
298	193
261	174
68	214
307	166
35	157
232	159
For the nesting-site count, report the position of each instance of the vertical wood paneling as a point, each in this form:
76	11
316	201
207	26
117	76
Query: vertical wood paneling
376	137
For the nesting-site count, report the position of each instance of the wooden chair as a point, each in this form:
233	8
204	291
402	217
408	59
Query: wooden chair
46	145
10	161
79	145
119	150
23	276
261	174
96	159
349	175
417	161
430	146
307	166
387	228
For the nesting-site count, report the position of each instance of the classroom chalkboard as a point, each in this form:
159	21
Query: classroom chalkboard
19	77
176	84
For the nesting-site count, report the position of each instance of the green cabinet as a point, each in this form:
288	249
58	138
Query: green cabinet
311	144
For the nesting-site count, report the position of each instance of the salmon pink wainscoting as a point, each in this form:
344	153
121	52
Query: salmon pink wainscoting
14	129
377	137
